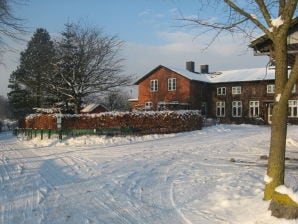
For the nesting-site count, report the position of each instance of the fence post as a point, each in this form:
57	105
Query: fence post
41	134
49	133
60	134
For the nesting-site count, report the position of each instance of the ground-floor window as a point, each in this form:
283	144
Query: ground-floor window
148	105
254	108
204	109
293	108
236	109
220	109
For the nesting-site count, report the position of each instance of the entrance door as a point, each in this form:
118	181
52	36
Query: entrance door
270	109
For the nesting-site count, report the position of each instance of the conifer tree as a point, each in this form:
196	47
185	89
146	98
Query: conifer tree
19	97
32	76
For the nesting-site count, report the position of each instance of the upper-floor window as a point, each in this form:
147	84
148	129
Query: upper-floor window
293	108
220	109
254	108
294	89
221	91
171	84
154	85
271	88
236	109
236	90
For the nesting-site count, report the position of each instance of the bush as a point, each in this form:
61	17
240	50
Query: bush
143	122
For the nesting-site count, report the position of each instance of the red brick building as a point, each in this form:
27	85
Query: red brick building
235	96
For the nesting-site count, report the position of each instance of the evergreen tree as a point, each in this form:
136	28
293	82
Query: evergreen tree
19	96
29	83
36	62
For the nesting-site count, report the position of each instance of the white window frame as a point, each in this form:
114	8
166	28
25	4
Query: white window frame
148	105
270	88
220	109
293	108
254	108
294	89
236	90
172	84
221	91
154	85
236	108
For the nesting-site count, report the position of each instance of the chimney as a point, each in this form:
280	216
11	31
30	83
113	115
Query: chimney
190	66
204	69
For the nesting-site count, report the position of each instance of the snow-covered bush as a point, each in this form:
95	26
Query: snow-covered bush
143	122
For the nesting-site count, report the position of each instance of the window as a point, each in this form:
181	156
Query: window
154	85
204	108
293	108
236	90
221	91
171	84
254	108
270	88
236	109
294	89
148	105
220	109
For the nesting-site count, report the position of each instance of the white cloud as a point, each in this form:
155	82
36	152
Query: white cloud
180	47
146	12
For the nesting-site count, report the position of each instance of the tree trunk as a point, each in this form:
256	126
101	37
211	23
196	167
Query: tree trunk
276	162
281	206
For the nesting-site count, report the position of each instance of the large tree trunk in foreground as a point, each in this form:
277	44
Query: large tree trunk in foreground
282	206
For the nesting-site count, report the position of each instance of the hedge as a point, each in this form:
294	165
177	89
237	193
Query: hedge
143	122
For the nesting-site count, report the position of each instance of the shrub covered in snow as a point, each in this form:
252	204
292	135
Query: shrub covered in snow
143	122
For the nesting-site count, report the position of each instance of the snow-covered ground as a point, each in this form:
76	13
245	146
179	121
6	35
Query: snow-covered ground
214	175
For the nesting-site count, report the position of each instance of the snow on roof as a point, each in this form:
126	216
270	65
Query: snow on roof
244	75
89	107
191	75
240	75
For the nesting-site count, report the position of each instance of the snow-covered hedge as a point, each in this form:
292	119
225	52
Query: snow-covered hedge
151	122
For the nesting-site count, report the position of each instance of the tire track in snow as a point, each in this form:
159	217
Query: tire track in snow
18	205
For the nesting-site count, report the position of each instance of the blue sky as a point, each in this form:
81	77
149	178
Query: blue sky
149	28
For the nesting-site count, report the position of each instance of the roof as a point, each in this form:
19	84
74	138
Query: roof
240	75
265	40
90	108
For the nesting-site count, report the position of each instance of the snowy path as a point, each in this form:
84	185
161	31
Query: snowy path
181	178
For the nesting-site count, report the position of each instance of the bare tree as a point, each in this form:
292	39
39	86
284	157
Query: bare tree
116	100
10	26
274	18
88	63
